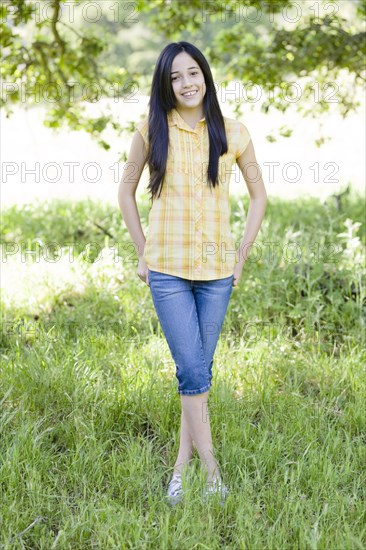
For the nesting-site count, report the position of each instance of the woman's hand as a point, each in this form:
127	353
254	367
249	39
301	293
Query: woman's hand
143	271
237	273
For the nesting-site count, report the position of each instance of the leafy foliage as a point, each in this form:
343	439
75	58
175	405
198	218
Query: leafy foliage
59	65
61	59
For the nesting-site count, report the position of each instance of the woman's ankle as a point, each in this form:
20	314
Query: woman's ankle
212	473
181	467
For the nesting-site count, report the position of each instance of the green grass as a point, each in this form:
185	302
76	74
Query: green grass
89	412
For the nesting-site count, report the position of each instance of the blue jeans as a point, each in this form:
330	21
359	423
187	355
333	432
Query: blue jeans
191	314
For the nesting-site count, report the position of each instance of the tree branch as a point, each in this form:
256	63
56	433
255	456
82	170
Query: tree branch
54	20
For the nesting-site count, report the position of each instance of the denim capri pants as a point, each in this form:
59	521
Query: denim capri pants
191	314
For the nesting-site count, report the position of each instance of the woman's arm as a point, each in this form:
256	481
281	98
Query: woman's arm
127	195
251	171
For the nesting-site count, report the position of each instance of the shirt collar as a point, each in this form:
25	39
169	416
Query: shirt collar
174	118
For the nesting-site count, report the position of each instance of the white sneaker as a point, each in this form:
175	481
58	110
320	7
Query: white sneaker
216	487
175	489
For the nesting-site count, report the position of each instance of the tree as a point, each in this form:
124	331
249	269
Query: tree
272	43
58	55
53	55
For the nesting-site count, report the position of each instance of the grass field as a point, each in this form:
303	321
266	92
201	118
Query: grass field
89	405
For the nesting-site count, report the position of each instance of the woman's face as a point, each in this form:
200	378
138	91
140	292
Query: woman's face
186	76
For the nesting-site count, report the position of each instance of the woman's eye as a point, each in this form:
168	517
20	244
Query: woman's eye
192	74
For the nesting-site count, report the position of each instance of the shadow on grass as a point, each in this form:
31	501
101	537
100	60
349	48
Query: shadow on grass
294	281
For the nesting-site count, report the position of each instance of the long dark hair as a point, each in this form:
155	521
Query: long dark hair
162	100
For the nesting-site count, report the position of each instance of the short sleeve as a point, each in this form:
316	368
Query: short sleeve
143	127
242	140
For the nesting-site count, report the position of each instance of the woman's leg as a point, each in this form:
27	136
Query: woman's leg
186	449
176	306
212	299
195	409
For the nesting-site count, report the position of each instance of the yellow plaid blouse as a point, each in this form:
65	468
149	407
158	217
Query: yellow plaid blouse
189	225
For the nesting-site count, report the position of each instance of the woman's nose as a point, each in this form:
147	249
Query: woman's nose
186	82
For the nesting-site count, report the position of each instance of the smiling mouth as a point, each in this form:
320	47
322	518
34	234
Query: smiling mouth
189	94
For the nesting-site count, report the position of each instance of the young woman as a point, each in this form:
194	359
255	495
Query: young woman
189	260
